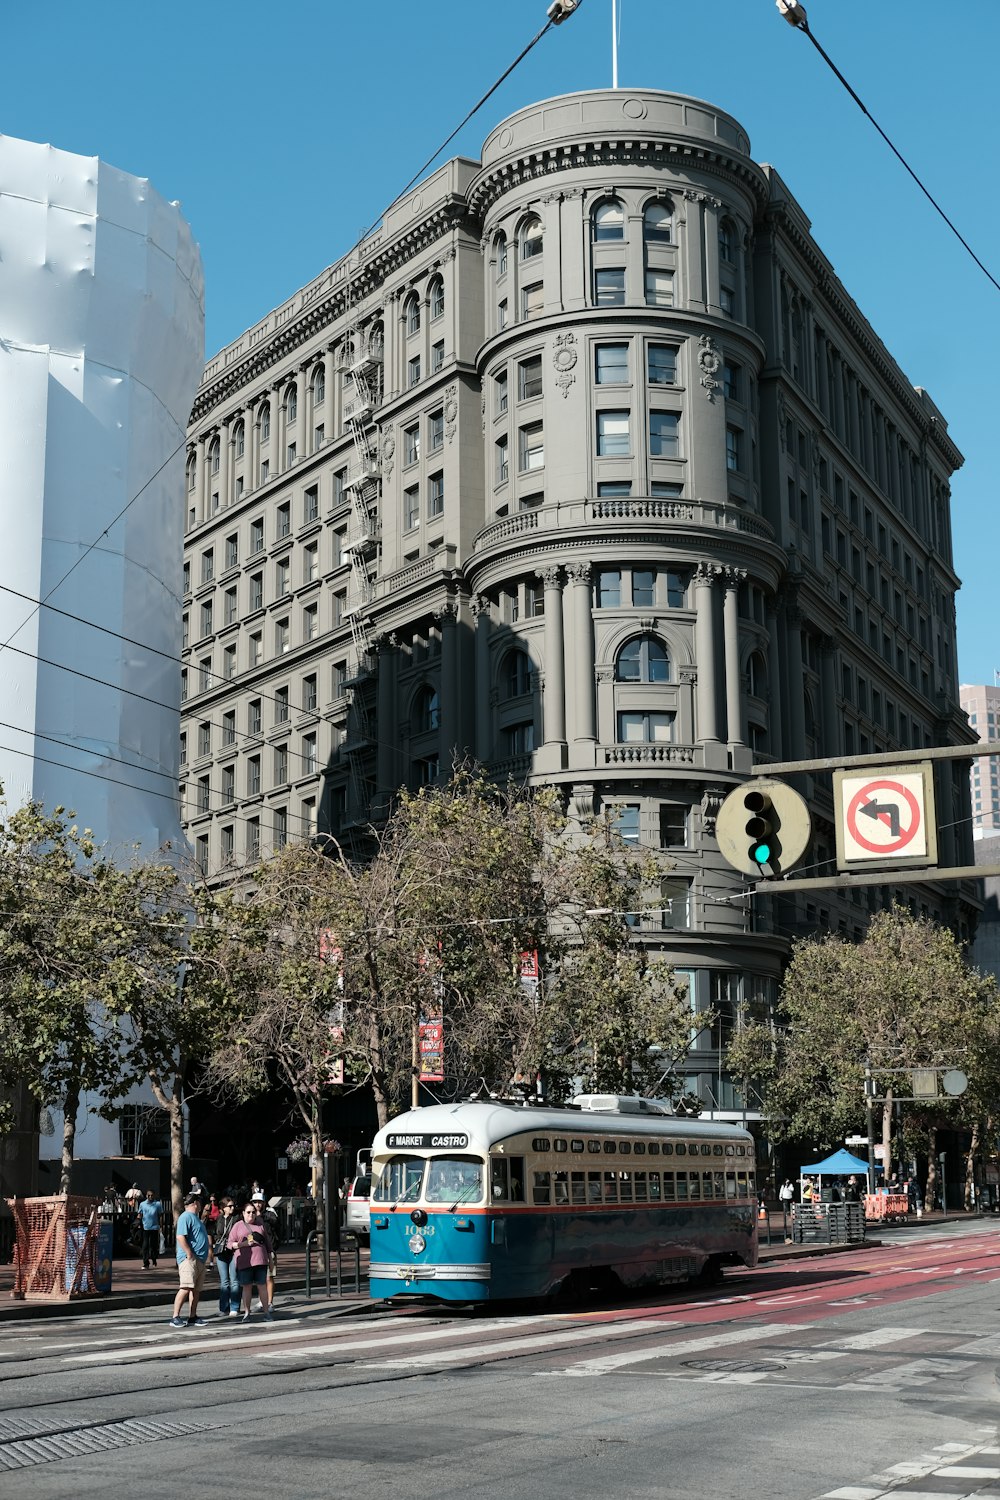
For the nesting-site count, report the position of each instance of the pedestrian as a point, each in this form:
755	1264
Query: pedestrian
852	1193
194	1256
225	1259
150	1214
786	1196
210	1214
133	1197
249	1239
807	1190
269	1221
197	1187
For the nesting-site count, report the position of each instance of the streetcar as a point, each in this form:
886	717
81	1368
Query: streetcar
488	1201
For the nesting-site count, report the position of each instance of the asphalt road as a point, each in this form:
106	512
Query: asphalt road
853	1376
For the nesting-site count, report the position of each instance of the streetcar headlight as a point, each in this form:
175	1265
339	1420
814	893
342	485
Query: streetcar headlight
417	1243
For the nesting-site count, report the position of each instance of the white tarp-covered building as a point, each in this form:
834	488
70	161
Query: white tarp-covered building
101	351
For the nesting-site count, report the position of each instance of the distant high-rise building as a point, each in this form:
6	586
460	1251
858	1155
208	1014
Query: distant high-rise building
586	464
982	704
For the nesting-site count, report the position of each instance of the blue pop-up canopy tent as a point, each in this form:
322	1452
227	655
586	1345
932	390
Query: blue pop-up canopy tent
840	1164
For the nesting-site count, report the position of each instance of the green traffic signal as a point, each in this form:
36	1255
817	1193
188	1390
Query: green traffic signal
763	828
760	827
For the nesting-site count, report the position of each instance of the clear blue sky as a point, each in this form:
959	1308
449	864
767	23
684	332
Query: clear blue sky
284	131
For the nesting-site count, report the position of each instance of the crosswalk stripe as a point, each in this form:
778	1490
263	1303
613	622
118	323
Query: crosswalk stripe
607	1363
875	1337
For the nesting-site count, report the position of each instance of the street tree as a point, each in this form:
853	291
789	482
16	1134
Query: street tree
902	998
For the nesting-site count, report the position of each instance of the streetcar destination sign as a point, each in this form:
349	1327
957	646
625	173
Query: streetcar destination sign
416	1142
885	816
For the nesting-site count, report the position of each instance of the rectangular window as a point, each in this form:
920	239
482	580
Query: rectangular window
281	705
413	370
229	727
339	606
727	301
204	739
626	822
613	489
280	764
283	578
265	470
734	449
310	563
208	565
613	434
282	637
256	591
664	435
500	393
310	622
532	300
319	435
645	728
502	468
229	664
254	716
531	446
310	510
662	364
204	674
284	520
309	692
253	838
435	495
291	455
609	287
411	507
340	489
308	754
253	776
529	378
673	826
411	444
435	431
611	364
206	618
659	288
280	827
339	679
229	606
437	356
186	584
519	739
609	589
229	784
232	551
732	381
643	588
661	489
256	536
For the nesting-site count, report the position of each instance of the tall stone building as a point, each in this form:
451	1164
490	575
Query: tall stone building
982	704
586	464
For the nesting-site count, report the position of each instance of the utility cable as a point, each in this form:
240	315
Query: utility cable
795	14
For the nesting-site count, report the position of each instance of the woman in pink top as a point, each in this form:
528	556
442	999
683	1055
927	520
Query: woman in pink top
252	1244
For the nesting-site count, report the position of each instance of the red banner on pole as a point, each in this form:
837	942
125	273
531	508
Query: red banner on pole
432	1050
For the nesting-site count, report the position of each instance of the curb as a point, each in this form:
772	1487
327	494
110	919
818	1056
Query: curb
15	1311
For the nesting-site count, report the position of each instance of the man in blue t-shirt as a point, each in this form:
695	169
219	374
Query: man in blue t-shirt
194	1256
149	1223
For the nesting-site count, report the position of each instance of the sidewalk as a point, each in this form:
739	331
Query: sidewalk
134	1287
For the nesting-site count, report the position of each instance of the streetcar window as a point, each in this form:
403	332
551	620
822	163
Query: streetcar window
730	1150
611	1187
682	1185
716	1150
540	1191
399	1181
751	1184
516	1179
576	1146
541	1143
610	1148
654	1148
454	1179
744	1191
640	1187
639	1148
654	1187
594	1187
681	1149
562	1187
625	1187
706	1149
559	1144
706	1185
668	1187
625	1147
694	1185
578	1187
499	1180
730	1184
594	1147
720	1184
668	1149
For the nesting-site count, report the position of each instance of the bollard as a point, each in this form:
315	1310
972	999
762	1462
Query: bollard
309	1239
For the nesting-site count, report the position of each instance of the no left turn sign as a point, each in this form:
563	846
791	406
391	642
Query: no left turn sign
886	816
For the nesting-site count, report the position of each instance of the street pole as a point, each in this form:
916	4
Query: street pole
415	1060
870	1124
326	1222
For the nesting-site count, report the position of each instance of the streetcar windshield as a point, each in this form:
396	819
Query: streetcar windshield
399	1180
454	1179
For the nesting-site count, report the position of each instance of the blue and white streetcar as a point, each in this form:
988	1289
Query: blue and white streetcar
486	1201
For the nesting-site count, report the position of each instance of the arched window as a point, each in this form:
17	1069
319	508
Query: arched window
658	224
213	455
291	403
192	470
727	241
319	385
531	238
426	711
376	341
411	313
518	678
609	221
240	439
500	251
265	422
435	297
644	659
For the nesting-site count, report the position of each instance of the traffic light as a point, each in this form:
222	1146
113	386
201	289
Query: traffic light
763	828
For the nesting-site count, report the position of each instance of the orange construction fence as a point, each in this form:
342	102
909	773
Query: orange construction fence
60	1251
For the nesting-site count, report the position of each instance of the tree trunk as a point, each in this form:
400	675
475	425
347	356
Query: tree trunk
377	1077
970	1168
887	1136
71	1105
175	1105
931	1187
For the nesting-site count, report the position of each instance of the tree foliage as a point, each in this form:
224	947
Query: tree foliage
903	998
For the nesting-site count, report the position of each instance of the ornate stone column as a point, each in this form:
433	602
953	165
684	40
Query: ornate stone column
796	688
583	650
389	770
277	432
731	643
447	618
480	606
833	732
775	717
706	725
554	697
225	463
